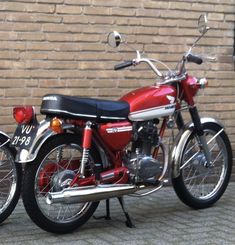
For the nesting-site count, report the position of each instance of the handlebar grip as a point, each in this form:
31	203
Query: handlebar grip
194	58
123	65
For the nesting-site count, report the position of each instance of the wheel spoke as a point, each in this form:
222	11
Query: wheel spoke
189	160
189	150
218	157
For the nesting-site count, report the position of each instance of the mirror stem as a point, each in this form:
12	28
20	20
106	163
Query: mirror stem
198	39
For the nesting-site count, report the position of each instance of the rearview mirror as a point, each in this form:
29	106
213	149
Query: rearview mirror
202	24
114	39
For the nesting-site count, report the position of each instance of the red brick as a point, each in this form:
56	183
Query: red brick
61	46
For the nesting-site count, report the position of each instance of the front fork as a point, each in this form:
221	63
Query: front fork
200	133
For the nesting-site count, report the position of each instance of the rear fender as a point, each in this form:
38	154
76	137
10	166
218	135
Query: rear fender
43	134
179	144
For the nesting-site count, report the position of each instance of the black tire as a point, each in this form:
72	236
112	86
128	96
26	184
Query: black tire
30	201
10	185
184	187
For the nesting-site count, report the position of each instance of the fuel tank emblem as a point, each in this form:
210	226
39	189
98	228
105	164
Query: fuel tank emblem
171	99
49	98
118	130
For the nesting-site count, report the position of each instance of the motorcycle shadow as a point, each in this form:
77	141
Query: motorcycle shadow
160	209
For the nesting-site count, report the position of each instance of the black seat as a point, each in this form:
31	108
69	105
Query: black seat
86	108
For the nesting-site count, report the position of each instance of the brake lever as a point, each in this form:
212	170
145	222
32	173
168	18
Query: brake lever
210	58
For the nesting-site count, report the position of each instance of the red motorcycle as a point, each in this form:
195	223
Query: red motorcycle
87	150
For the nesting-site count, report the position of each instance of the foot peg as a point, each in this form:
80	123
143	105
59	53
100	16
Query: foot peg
152	182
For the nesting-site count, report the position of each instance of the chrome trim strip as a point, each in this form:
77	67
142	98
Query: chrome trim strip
104	117
118	130
84	115
152	113
70	113
107	176
152	109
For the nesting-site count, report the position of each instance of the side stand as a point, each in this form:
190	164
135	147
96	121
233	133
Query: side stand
128	219
97	177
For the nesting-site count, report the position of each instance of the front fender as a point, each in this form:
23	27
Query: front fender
43	133
179	144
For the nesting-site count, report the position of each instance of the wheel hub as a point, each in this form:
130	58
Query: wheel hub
200	162
62	180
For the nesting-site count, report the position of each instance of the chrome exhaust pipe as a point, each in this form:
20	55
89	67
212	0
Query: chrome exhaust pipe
90	193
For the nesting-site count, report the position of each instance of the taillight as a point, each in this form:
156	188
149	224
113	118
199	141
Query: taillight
23	114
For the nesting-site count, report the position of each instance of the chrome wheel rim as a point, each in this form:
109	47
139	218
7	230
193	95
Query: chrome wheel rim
203	181
59	212
8	178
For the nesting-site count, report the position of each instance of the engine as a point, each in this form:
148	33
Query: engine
142	166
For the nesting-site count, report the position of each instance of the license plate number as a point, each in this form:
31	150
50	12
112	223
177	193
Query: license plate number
24	136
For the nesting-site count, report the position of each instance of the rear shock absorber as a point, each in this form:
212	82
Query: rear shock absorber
86	144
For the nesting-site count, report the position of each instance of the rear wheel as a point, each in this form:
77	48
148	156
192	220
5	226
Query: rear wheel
10	181
57	163
200	185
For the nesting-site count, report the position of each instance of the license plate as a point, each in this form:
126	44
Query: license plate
24	135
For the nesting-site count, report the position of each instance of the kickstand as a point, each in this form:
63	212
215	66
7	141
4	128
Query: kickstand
107	216
128	219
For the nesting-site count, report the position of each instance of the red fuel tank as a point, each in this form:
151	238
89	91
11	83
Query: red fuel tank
151	102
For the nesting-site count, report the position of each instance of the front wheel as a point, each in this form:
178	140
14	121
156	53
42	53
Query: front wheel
199	185
57	163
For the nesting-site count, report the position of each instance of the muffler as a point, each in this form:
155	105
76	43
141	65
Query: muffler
90	193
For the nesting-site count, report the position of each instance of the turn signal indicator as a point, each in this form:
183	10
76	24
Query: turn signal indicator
56	125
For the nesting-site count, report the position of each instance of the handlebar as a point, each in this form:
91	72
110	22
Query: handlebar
166	79
137	61
123	65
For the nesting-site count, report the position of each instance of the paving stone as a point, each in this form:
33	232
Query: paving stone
159	219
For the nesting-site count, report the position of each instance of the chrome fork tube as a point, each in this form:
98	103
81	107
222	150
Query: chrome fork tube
199	131
205	147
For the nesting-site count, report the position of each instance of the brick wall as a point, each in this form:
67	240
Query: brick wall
60	46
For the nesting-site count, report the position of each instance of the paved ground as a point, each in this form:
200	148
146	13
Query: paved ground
160	219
